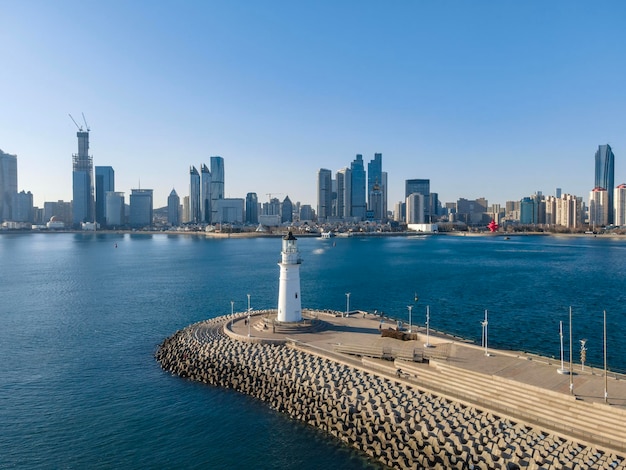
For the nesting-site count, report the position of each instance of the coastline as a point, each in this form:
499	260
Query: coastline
393	411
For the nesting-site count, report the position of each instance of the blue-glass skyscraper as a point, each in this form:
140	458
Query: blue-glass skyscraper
217	186
8	185
195	210
105	182
358	188
205	193
605	175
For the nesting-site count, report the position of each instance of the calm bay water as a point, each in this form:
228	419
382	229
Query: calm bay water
81	318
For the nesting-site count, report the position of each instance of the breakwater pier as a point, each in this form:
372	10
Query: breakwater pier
407	406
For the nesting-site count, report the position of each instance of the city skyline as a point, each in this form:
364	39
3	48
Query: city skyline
485	100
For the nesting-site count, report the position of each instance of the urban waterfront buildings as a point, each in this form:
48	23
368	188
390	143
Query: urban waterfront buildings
599	207
105	182
205	194
8	185
173	209
420	186
115	209
195	210
217	186
619	201
252	208
82	182
359	207
324	194
141	208
605	177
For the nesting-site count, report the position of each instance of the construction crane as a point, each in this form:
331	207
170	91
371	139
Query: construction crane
85	121
269	195
80	128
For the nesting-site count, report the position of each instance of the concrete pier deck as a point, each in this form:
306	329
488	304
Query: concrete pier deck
462	371
448	406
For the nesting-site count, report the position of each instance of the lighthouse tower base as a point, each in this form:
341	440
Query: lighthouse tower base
289	303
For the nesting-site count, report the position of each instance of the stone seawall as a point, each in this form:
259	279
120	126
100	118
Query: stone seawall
390	421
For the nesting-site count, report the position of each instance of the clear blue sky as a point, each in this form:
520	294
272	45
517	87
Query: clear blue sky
493	99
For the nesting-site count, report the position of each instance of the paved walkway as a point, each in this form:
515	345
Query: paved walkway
362	330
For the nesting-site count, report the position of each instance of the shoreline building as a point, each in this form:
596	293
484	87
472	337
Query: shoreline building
105	182
605	177
377	188
115	209
173	209
599	207
619	200
8	185
419	186
344	193
82	181
358	207
205	194
324	194
252	209
141	213
195	214
289	301
217	186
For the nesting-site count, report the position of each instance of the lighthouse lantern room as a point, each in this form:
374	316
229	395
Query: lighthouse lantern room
289	304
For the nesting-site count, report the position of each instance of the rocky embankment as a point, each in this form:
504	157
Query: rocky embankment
388	420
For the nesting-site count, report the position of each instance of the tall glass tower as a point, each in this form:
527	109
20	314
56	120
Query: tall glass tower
205	193
374	176
324	194
8	185
420	186
195	212
358	188
605	175
217	186
82	181
105	182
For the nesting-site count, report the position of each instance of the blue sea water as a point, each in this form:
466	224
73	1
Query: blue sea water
82	314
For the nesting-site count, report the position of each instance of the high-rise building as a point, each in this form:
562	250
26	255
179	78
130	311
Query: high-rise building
286	210
141	212
415	208
599	207
252	209
105	182
115	209
306	212
605	176
8	185
374	175
358	187
344	193
619	200
24	207
205	194
217	185
324	194
420	186
82	182
195	209
375	199
173	209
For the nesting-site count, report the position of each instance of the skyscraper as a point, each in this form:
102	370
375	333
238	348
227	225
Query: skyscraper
205	193
105	182
286	210
374	175
252	208
173	205
217	185
619	199
605	174
82	181
358	188
115	209
8	185
344	193
599	207
141	213
420	186
195	210
324	194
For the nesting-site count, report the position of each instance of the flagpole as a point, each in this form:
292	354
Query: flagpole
571	360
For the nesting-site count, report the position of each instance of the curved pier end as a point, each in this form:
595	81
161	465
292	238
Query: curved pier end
446	407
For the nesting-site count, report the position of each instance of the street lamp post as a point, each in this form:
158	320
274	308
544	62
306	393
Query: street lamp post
484	324
410	307
232	313
562	370
347	303
248	315
427	345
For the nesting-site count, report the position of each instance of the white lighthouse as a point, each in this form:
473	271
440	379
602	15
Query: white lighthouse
289	305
